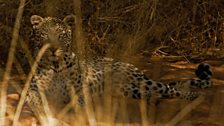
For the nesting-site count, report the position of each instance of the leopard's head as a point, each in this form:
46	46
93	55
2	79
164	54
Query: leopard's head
53	31
56	32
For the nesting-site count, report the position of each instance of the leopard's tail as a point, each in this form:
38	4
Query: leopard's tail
204	73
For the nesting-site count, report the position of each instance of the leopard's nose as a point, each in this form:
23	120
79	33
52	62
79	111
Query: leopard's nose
55	52
53	37
52	50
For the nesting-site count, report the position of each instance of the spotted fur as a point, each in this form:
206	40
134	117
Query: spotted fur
61	74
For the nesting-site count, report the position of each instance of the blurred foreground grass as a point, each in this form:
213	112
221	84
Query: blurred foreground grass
147	30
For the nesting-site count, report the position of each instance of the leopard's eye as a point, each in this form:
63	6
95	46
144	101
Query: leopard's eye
44	36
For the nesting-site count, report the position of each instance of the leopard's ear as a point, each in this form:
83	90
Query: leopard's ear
70	20
36	20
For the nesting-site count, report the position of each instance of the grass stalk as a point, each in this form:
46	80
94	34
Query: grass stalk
9	63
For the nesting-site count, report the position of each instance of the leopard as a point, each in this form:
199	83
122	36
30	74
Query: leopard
61	74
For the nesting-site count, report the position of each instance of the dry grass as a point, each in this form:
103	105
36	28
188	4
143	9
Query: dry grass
131	31
4	84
